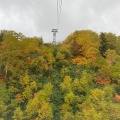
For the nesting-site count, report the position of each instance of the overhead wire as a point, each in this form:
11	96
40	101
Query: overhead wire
60	7
32	6
57	13
59	10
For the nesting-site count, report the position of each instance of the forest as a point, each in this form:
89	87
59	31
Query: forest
77	79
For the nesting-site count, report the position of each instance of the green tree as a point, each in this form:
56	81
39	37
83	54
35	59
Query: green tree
103	46
4	99
111	56
115	73
18	114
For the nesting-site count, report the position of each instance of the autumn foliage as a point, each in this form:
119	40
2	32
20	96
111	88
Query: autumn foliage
78	79
102	81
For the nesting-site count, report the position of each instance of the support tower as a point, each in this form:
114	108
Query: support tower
54	35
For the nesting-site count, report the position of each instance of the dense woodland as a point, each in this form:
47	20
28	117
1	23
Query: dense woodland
78	79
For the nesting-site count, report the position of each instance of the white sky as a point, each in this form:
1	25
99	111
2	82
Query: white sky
96	15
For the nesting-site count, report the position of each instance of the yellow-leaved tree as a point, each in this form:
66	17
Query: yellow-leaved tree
40	107
84	46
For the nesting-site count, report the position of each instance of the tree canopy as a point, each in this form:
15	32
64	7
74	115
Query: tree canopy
78	79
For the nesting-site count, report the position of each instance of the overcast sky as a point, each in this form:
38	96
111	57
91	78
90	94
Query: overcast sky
96	15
